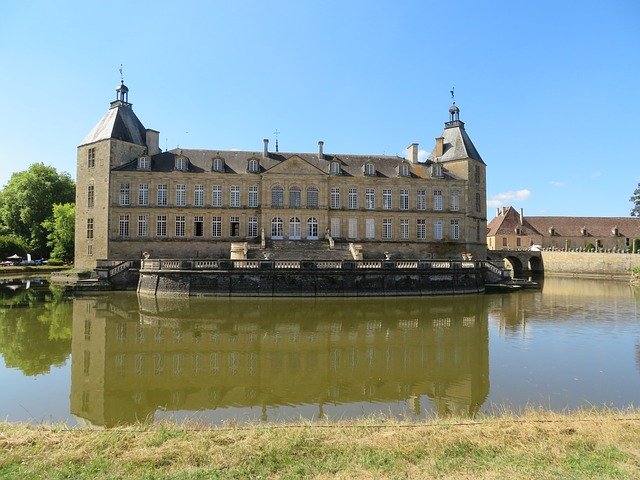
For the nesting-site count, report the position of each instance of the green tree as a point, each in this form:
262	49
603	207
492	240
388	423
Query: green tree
10	244
61	228
27	200
635	199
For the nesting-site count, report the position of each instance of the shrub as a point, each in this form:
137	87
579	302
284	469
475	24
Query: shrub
54	262
590	247
636	245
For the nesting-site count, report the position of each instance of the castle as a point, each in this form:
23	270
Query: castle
133	199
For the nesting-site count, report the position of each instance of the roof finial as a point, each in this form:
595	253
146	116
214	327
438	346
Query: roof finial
121	74
276	133
453	95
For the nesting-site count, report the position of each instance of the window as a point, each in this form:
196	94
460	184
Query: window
421	199
144	163
162	195
312	228
161	226
216	226
181	195
90	196
478	232
437	199
181	163
180	222
90	249
353	228
504	241
477	176
254	166
235	196
370	228
335	227
335	168
198	195
277	228
123	225
143	227
478	203
277	196
253	196
234	226
252	227
455	201
518	241
353	198
143	194
294	197
370	198
436	170
89	228
437	230
124	194
91	158
403	170
312	197
387	228
369	169
216	196
218	165
386	199
404	199
455	229
421	229
198	226
404	228
335	197
294	228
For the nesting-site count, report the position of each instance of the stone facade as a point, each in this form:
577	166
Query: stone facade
132	198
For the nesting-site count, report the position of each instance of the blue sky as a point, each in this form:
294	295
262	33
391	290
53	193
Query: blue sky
549	90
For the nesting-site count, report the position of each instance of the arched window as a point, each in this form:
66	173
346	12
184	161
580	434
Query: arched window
276	228
218	165
277	196
369	169
312	228
335	168
254	166
312	197
294	197
294	228
144	163
403	170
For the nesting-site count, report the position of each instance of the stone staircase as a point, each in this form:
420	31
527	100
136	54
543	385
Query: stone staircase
300	250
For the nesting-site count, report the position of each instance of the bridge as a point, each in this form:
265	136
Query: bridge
522	262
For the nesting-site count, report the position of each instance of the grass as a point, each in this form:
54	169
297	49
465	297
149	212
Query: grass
540	445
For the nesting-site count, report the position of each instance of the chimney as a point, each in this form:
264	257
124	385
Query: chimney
497	211
439	146
320	150
153	141
504	210
265	152
412	152
522	216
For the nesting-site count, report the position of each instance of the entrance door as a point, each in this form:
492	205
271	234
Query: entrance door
295	230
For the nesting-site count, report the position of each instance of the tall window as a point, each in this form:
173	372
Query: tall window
437	230
478	203
335	197
216	196
180	222
253	166
455	229
89	228
198	226
421	229
386	199
294	197
124	194
123	229
370	228
353	228
198	195
404	228
370	198
91	158
252	227
253	196
455	201
235	196
218	165
216	226
312	228
421	199
144	163
335	227
277	196
234	226
404	199
437	199
90	196
162	195
353	198
312	197
477	176
143	227
181	195
161	226
294	228
277	228
387	228
143	194
369	169
181	163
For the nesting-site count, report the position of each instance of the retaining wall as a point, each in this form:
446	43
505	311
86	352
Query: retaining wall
596	264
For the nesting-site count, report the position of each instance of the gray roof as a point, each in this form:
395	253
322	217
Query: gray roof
457	144
119	123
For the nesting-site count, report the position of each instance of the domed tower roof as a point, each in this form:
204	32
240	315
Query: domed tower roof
122	92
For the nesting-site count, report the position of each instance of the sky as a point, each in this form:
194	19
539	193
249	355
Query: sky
549	90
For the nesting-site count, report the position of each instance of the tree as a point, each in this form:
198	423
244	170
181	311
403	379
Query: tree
635	199
27	200
10	245
61	228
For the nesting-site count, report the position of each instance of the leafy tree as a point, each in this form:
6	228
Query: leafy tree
27	200
61	228
10	244
635	199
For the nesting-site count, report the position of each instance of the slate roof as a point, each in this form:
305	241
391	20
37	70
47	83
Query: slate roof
457	144
119	123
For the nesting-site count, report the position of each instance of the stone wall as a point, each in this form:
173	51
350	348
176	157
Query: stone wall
610	265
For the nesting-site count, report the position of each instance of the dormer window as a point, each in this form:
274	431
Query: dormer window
335	168
614	231
369	169
254	166
403	170
552	231
583	231
436	170
218	165
144	163
181	164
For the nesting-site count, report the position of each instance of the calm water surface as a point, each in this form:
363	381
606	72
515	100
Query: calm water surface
116	358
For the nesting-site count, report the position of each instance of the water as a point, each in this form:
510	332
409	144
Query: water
116	358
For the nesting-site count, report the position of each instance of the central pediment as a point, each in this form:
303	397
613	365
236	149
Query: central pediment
295	165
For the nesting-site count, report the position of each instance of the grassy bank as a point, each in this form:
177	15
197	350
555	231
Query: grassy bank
534	445
43	269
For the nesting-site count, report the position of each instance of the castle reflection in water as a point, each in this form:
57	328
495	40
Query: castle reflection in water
144	355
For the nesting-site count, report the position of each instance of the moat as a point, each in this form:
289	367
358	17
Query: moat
115	358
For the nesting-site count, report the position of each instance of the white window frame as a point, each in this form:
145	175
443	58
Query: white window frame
143	194
161	226
370	198
253	196
216	226
404	228
454	204
335	198
181	195
252	227
218	165
277	228
143	226
234	196
353	198
277	196
353	228
421	199
387	199
437	200
91	196
312	228
437	230
454	229
198	196
370	228
216	196
125	194
295	228
123	225
161	195
421	229
181	222
313	197
335	168
387	228
295	197
369	169
404	199
335	227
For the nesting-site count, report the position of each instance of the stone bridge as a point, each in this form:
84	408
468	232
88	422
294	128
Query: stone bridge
520	262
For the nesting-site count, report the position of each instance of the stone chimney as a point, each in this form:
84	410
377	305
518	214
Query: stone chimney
497	211
412	153
522	216
265	152
320	150
439	146
153	142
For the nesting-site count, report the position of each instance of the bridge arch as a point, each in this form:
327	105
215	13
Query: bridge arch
516	265
535	265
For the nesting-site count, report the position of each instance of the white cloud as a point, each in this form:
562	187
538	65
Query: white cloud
555	183
596	174
501	199
422	155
